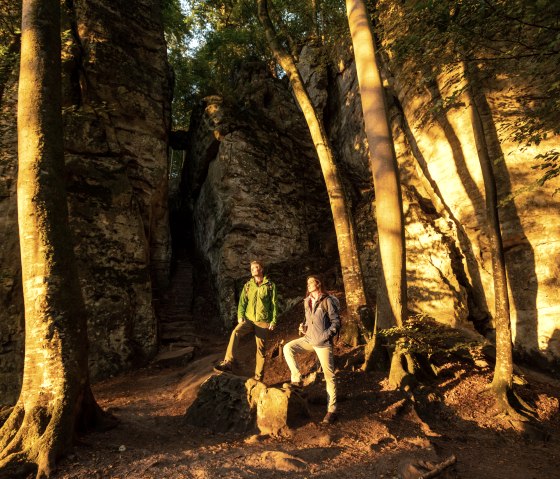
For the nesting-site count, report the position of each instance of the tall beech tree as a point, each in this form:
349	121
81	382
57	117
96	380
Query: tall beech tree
391	294
55	398
342	215
502	384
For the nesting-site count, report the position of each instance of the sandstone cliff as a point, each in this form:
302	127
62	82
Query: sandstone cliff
448	254
448	257
116	113
255	190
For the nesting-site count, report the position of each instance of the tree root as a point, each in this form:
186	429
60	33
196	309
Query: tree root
509	403
34	439
31	440
5	414
375	355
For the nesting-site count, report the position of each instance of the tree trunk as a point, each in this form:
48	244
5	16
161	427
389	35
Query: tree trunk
502	384
391	294
342	216
315	18
55	394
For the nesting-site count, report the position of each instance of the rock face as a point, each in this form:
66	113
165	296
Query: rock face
255	189
449	267
116	115
435	280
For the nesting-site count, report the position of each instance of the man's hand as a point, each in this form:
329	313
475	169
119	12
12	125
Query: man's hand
271	327
301	331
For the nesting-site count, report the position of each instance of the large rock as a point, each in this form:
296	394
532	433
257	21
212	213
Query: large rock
225	402
449	268
229	403
435	276
116	117
255	188
278	410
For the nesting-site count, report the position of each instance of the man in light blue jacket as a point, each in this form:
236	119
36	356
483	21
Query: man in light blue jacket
322	323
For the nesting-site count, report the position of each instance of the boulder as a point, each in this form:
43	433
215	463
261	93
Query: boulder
278	410
224	404
230	403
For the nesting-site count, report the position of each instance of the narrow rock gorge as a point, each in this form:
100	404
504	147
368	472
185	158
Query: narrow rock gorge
241	153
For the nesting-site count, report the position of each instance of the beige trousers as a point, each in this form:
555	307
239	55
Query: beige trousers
326	358
260	330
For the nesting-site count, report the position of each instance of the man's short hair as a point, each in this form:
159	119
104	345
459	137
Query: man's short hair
256	261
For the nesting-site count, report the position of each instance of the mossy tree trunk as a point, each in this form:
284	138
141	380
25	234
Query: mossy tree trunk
340	207
391	294
55	397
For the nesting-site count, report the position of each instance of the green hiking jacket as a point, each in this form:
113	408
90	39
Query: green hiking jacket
258	303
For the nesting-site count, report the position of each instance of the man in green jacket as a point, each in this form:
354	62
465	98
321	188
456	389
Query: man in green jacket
256	314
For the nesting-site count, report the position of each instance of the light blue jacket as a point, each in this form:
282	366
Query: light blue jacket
322	321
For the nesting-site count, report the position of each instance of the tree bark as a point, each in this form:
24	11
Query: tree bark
502	384
55	394
342	215
391	295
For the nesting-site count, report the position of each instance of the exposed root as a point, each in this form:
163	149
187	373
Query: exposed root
375	355
35	439
5	414
403	369
31	440
510	404
13	466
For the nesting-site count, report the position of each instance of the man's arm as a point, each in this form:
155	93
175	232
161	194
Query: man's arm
242	306
273	306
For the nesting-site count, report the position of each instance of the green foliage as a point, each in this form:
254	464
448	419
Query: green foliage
176	26
423	335
218	36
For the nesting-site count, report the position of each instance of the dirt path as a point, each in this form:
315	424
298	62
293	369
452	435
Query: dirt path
378	435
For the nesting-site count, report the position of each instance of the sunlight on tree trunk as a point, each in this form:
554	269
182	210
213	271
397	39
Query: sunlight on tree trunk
55	395
502	385
391	295
342	216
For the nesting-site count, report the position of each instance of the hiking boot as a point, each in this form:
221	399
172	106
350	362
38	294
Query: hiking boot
330	418
224	366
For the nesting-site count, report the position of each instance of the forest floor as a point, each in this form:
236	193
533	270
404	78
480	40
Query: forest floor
380	433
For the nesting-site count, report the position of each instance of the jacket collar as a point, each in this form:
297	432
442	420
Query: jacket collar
319	299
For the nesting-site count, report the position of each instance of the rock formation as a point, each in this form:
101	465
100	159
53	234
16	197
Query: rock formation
246	183
448	257
255	190
116	114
